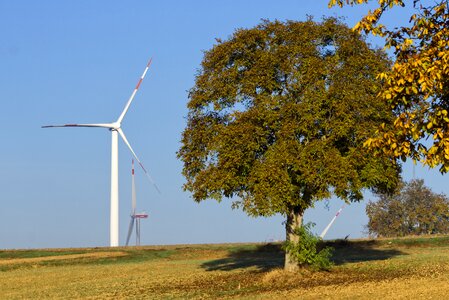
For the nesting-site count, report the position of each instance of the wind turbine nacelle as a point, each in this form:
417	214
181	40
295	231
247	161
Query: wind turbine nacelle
141	216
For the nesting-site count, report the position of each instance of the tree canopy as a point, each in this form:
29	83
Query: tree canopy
417	86
278	115
413	210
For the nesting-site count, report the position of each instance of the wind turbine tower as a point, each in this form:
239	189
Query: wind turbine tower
116	130
134	217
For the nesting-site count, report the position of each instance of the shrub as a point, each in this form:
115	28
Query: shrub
306	251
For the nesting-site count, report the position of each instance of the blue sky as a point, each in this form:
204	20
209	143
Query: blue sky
78	62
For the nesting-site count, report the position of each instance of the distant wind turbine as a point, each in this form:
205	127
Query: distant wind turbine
116	130
134	217
331	222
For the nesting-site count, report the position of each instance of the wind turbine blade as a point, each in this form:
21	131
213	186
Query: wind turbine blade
120	131
125	110
130	229
103	125
331	222
133	190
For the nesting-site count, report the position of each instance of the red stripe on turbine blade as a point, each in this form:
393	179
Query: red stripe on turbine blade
149	63
138	84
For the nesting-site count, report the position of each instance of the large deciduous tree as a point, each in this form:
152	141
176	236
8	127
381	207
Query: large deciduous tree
413	210
417	86
277	118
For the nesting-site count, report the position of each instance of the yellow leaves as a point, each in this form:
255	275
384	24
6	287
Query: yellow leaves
445	168
332	3
417	82
396	2
446	156
446	148
442	112
372	17
357	27
368	143
421	79
382	76
440	8
439	135
406	148
432	151
398	89
348	2
400	81
408	42
378	30
423	86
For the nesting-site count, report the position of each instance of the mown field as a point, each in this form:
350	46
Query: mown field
411	268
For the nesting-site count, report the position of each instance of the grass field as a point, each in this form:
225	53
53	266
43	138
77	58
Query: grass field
411	268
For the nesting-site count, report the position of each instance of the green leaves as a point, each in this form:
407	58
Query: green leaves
306	251
281	110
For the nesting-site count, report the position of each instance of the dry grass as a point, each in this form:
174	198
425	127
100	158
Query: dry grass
15	261
388	269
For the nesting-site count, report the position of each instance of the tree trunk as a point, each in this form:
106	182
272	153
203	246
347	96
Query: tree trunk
294	219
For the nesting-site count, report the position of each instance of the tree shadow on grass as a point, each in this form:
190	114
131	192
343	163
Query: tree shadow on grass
262	257
359	251
270	256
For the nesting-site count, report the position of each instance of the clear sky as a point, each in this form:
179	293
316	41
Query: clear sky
78	62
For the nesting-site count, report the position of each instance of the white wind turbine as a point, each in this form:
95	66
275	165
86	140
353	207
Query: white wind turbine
134	217
116	130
